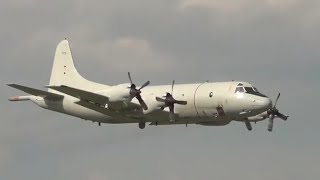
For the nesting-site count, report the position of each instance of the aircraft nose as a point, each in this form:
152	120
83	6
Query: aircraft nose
263	104
267	103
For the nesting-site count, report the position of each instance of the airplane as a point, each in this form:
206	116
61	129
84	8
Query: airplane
206	103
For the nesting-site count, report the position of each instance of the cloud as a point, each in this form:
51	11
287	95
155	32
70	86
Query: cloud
273	44
97	176
123	53
228	6
236	7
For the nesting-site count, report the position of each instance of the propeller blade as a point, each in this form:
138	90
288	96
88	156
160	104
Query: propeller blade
130	77
282	116
270	125
170	101
171	113
144	85
142	103
136	93
272	112
248	125
128	100
276	101
160	99
181	102
172	87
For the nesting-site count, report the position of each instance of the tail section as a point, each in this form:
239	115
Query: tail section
65	73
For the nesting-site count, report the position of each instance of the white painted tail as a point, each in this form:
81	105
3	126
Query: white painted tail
65	73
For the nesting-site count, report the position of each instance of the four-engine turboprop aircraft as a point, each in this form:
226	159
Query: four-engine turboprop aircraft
208	104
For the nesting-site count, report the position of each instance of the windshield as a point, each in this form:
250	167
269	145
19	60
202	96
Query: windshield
249	90
253	91
239	89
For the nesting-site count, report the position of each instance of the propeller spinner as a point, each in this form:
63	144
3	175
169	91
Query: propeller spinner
169	101
272	112
135	93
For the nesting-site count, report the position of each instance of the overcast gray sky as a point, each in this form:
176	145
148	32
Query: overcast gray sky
273	44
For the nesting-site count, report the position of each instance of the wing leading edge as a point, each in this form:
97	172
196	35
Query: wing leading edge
36	92
82	94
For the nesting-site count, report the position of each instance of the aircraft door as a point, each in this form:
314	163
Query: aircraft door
206	101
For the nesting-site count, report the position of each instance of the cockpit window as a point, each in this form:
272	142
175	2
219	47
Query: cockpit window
239	89
253	91
249	90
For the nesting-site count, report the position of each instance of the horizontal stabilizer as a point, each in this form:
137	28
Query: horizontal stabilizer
82	94
35	92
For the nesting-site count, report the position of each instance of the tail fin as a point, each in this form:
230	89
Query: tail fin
65	73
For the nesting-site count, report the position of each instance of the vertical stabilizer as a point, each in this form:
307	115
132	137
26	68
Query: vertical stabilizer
65	73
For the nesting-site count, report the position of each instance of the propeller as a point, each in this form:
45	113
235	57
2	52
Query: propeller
135	93
272	112
169	101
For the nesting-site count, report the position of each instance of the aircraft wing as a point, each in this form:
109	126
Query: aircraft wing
92	101
82	94
114	114
92	97
35	92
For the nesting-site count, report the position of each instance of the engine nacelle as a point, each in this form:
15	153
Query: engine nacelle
258	117
118	93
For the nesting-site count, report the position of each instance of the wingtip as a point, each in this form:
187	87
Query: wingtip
19	98
11	84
